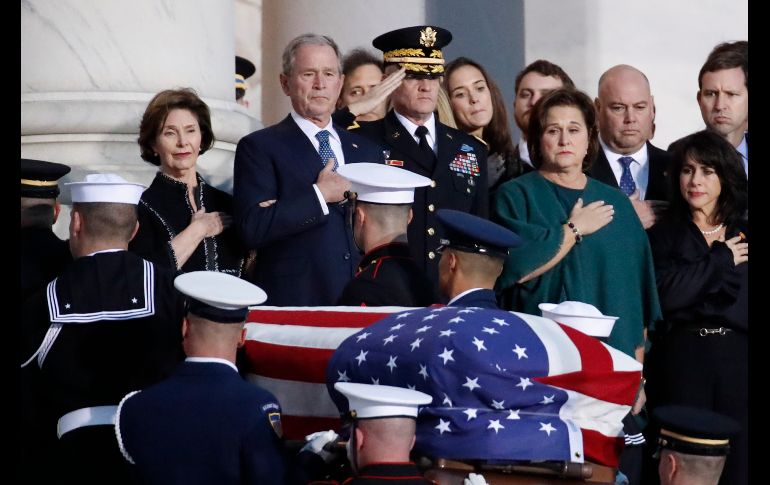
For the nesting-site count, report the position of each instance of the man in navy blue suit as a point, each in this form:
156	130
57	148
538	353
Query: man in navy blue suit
289	200
205	424
472	251
626	113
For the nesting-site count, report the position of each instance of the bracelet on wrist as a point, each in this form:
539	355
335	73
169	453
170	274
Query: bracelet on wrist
576	231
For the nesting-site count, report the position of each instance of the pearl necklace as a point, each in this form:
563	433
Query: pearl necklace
713	231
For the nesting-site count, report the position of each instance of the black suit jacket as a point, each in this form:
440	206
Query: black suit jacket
656	182
304	257
451	187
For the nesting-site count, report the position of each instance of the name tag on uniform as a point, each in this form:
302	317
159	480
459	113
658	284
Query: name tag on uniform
465	163
394	163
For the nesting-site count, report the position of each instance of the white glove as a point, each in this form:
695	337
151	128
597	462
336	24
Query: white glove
316	442
475	479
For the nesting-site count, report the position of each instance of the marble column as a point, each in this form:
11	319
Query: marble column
89	68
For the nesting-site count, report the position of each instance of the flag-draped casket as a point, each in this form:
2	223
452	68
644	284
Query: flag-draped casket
505	386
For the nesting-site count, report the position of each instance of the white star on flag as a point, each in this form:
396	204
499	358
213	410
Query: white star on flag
513	414
429	317
466	310
392	363
446	400
362	357
376	382
397	326
415	344
479	344
67	306
409	386
343	376
500	322
471	413
447	355
363	336
403	315
490	331
521	352
547	399
471	383
524	382
388	339
424	328
446	333
440	309
134	300
456	320
498	404
443	426
547	428
495	424
423	372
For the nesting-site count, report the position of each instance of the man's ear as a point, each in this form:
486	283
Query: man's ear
136	229
185	327
242	338
360	438
76	223
409	218
284	80
56	211
360	214
452	261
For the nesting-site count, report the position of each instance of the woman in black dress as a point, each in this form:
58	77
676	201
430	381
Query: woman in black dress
184	223
701	258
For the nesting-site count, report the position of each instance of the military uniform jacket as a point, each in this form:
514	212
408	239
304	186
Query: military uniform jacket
481	298
204	425
458	174
43	257
382	473
657	165
304	258
164	211
388	276
111	323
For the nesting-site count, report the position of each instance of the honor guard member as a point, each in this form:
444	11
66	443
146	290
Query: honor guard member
43	255
472	253
109	324
244	69
693	444
382	422
412	138
387	274
205	424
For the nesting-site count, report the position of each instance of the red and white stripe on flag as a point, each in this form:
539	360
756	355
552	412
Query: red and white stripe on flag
287	350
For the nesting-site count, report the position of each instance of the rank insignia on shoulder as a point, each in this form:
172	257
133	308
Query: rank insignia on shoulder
275	423
466	148
394	163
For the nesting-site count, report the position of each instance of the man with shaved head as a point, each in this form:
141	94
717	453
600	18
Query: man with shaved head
626	112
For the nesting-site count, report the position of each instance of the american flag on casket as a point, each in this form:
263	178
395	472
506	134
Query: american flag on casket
505	386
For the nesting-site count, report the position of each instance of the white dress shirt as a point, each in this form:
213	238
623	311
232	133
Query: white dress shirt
640	168
209	360
411	127
310	130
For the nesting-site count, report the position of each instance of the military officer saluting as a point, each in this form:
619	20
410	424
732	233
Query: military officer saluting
110	323
387	274
412	138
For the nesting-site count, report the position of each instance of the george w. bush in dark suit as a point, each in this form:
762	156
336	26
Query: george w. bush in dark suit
289	201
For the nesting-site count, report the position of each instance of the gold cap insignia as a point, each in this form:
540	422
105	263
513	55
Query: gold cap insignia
428	37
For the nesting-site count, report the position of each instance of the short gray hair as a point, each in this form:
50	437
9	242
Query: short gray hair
307	39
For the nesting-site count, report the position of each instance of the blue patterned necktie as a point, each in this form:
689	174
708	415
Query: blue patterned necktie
324	149
627	184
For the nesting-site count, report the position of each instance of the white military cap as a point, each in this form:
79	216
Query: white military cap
581	316
106	187
219	297
375	401
382	184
